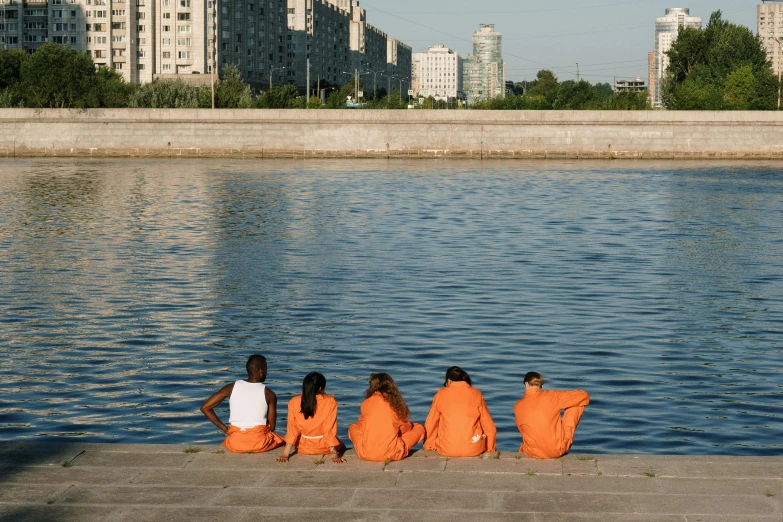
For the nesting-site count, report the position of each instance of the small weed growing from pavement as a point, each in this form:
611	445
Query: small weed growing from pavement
518	457
770	494
497	456
600	473
531	473
584	457
192	450
386	463
67	464
219	452
319	461
649	474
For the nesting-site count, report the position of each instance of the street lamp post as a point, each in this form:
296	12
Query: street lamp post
273	69
779	39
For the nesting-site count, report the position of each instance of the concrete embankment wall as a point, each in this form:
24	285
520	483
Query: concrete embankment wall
273	133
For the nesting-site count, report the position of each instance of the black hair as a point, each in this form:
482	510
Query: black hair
311	385
254	363
457	374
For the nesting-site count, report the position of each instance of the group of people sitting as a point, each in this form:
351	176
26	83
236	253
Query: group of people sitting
458	425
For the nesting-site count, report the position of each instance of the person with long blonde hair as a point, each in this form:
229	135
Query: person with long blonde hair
384	431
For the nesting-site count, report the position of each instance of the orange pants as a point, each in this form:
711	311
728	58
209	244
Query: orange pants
251	440
411	434
569	422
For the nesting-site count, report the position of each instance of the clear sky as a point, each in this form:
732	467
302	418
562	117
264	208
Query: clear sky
608	38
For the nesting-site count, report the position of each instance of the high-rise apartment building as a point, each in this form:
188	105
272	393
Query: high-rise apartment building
769	16
484	73
253	36
139	38
337	40
269	41
666	30
438	73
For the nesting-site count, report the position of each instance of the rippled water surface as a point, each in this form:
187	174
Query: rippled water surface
131	290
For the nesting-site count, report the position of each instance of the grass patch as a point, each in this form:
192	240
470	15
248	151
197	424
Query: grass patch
191	450
649	474
518	457
584	457
531	473
497	456
67	464
600	474
219	452
319	461
385	463
770	494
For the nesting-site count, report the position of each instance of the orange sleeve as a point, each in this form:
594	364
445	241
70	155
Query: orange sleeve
330	425
293	430
488	426
572	399
431	424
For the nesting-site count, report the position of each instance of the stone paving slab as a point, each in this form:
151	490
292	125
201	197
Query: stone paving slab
66	482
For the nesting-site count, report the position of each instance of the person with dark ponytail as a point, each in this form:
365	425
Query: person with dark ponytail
312	422
383	431
459	423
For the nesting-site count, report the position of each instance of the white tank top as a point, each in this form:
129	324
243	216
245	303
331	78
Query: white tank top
247	405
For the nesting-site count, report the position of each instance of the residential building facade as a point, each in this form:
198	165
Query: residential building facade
666	30
769	16
438	73
484	73
636	85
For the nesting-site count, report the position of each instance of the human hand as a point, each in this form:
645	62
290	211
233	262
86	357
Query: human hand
282	458
337	459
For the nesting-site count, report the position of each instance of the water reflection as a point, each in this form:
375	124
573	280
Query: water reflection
132	288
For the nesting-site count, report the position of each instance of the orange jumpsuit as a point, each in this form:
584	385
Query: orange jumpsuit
380	434
459	423
257	439
315	435
545	435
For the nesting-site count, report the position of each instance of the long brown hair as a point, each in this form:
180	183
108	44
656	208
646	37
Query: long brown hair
384	384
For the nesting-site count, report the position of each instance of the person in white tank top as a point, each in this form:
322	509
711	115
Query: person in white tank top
253	411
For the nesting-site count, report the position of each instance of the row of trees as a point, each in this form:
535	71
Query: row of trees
721	67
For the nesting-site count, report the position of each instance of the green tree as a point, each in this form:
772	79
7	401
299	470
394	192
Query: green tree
231	92
55	76
278	97
574	96
169	94
545	86
723	66
111	89
11	67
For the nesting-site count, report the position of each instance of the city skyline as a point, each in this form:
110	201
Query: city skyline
608	38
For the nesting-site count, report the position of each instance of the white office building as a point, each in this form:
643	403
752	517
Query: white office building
770	29
438	73
667	28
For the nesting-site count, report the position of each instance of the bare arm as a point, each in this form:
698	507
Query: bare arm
208	408
271	414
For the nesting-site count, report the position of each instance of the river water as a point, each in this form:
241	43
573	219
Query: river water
131	290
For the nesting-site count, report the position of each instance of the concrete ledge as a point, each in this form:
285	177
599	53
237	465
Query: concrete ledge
83	481
268	134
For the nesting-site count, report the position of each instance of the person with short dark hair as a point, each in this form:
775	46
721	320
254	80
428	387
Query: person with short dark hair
545	433
459	423
383	431
312	422
253	411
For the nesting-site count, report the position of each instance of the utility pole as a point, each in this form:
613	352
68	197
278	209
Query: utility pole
214	47
308	81
577	72
780	51
356	87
